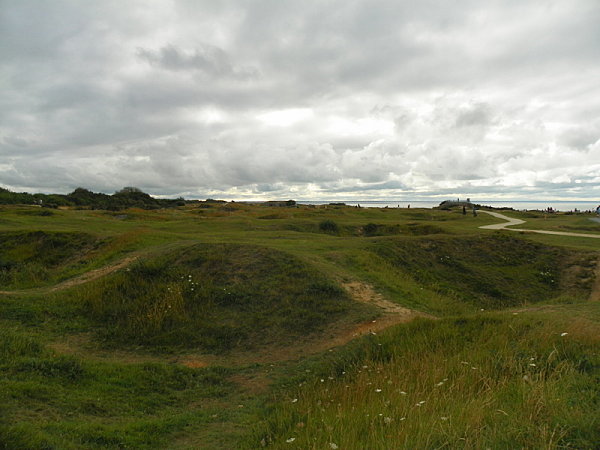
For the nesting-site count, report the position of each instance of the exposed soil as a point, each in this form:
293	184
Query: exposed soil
93	274
335	335
81	279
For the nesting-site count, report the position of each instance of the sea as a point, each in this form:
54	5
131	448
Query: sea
519	205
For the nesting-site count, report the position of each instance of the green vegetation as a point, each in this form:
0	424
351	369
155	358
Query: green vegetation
127	197
32	257
497	381
210	325
494	271
215	297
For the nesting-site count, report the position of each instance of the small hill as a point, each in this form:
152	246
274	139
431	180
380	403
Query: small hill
214	297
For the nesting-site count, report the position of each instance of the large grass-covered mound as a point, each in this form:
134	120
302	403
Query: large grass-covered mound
214	296
31	257
491	271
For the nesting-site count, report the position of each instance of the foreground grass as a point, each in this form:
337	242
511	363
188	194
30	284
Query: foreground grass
496	381
52	401
101	364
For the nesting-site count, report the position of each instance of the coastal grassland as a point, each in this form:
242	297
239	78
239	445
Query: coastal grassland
215	297
164	352
28	258
54	401
493	271
496	380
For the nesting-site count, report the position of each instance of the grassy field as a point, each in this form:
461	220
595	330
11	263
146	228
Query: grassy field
245	326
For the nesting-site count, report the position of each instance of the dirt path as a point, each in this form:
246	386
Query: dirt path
81	279
333	336
511	222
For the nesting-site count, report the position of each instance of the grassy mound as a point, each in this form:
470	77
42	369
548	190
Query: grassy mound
492	271
488	382
214	296
31	257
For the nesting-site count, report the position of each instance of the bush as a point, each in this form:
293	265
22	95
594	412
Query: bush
329	226
370	229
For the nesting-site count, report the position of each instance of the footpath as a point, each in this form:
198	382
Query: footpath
512	222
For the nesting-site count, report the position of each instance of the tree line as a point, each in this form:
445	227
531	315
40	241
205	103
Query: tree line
128	197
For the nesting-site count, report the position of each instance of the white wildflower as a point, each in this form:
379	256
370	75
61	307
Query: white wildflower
290	440
333	446
563	334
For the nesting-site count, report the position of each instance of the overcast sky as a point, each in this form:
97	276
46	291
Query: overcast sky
307	99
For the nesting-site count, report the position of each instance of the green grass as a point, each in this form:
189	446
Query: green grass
116	362
494	271
497	381
63	402
215	297
29	258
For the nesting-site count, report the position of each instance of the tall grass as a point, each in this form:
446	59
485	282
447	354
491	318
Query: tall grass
216	297
492	382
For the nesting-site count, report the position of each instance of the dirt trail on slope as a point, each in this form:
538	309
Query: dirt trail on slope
335	335
81	279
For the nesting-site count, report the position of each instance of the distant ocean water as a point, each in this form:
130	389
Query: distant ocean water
520	205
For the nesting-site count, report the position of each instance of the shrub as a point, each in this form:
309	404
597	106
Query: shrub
329	226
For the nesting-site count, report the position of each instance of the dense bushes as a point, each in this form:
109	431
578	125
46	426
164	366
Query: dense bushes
127	197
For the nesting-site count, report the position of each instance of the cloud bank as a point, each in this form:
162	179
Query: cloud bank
302	99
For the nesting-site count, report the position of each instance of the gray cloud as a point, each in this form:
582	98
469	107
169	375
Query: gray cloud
301	99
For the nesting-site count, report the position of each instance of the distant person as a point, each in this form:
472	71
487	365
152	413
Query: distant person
598	210
474	212
464	210
409	206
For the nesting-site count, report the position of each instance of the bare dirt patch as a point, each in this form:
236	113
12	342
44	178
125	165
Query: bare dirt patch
81	279
93	274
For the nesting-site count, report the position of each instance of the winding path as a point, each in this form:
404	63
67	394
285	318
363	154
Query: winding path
511	222
81	279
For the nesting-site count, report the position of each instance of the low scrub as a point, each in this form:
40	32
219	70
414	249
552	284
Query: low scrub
329	226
